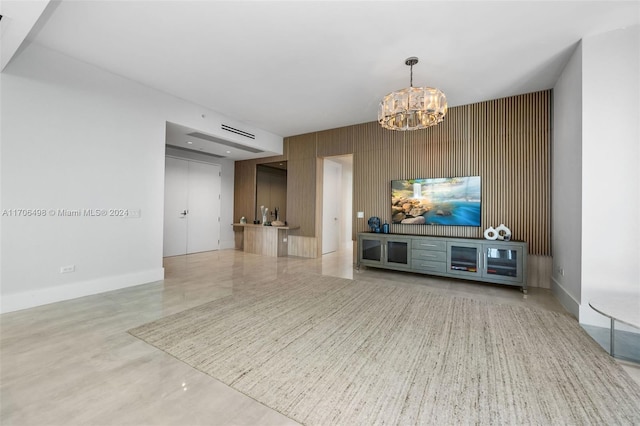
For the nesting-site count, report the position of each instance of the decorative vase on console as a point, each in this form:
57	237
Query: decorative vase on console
503	232
264	211
490	233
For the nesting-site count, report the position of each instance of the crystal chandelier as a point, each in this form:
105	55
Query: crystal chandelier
412	108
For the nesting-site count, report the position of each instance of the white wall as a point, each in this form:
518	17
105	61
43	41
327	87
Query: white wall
77	137
596	184
566	186
610	164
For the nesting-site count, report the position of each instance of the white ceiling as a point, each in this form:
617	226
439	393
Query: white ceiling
297	66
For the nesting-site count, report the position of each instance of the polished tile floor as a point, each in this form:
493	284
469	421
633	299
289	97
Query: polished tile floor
73	362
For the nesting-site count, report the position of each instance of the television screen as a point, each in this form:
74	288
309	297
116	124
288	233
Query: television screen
436	201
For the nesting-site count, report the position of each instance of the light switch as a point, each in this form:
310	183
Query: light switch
360	215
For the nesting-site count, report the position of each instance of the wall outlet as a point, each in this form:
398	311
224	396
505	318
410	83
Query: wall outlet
284	240
67	269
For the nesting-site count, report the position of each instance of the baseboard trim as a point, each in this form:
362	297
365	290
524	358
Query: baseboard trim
565	299
44	296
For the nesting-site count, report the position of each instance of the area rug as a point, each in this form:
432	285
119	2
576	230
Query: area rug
329	351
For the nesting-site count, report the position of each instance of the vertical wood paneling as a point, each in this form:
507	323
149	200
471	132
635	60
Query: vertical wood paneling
514	145
303	146
244	182
505	141
301	184
335	142
303	246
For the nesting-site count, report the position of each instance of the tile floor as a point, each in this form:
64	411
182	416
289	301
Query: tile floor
73	363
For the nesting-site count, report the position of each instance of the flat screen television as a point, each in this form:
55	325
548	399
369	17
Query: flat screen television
452	201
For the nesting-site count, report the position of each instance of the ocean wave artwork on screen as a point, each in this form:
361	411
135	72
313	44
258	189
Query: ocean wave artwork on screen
454	201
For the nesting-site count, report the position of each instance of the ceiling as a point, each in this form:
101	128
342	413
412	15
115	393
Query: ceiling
294	67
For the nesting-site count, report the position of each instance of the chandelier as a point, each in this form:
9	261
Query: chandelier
412	108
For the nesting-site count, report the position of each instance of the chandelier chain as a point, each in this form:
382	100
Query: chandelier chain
411	62
411	78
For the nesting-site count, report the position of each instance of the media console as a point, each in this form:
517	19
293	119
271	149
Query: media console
493	261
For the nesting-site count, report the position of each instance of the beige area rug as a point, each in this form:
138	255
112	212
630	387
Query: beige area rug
327	351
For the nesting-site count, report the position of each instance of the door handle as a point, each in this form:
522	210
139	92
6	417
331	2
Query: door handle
184	213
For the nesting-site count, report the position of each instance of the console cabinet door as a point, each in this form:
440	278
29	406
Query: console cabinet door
386	251
371	251
503	263
464	259
398	252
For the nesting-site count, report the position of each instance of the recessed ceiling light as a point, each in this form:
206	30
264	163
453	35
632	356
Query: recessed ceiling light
189	142
228	152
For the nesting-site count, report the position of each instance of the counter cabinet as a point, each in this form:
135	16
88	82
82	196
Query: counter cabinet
265	240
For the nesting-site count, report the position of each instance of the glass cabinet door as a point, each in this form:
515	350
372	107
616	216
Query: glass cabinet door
503	262
463	258
397	252
372	250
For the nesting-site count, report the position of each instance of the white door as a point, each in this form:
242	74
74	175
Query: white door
331	206
191	207
203	218
176	182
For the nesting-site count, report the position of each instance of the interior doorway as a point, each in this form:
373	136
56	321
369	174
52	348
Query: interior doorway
191	207
337	196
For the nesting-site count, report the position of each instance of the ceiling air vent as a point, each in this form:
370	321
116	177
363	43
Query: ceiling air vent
238	132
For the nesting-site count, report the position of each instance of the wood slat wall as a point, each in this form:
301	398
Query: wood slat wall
335	142
244	188
505	141
301	184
